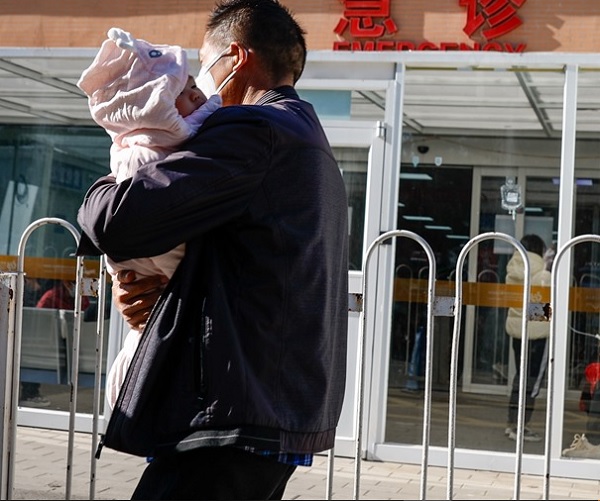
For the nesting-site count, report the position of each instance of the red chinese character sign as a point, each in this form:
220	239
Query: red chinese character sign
494	18
368	25
366	19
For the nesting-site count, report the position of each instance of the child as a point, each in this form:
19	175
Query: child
144	98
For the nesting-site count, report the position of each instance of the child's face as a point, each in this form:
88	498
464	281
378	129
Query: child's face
190	99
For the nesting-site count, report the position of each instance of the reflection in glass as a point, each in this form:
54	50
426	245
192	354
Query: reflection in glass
353	163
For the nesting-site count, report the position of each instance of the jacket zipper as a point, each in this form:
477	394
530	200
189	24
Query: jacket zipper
199	355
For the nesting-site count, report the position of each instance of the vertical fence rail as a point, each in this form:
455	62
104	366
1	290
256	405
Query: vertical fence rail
552	350
428	359
74	377
329	479
454	357
76	330
8	293
74	382
98	373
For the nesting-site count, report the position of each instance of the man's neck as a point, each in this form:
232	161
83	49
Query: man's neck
253	94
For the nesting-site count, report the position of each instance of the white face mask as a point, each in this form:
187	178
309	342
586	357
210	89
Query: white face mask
205	81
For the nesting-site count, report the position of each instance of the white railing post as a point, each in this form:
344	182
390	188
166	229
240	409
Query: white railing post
9	292
428	359
454	357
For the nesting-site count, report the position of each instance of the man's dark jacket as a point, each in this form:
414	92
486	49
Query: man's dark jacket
247	345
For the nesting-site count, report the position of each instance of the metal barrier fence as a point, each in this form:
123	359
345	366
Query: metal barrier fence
362	348
436	307
11	301
11	293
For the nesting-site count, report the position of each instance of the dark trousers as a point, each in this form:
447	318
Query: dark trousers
214	473
29	390
538	359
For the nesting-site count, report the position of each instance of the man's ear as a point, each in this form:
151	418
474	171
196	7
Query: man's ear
240	54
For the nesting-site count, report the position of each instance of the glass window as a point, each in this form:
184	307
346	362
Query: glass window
44	172
465	133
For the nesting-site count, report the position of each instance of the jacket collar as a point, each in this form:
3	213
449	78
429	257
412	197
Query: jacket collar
277	94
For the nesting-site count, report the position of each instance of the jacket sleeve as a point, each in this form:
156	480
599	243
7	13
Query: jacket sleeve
183	196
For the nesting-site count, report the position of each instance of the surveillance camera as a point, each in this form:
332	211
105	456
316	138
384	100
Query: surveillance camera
423	149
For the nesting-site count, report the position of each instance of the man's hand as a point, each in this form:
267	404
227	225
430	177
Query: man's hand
135	298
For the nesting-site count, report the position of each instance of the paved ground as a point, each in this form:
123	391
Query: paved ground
40	473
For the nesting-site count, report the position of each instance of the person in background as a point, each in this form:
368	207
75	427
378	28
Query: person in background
61	296
240	373
537	332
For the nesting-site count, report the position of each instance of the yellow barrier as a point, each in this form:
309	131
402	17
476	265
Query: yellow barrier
584	299
46	267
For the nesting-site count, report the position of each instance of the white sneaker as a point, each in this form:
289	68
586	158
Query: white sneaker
528	435
581	448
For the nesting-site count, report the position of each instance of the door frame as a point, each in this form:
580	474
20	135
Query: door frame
360	135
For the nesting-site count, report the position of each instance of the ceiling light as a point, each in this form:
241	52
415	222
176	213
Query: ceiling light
418	218
578	181
457	237
434	227
415	177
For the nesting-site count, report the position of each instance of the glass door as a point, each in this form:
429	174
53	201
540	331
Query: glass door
458	149
489	359
467	203
434	203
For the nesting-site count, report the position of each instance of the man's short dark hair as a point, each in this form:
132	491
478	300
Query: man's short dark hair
265	26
